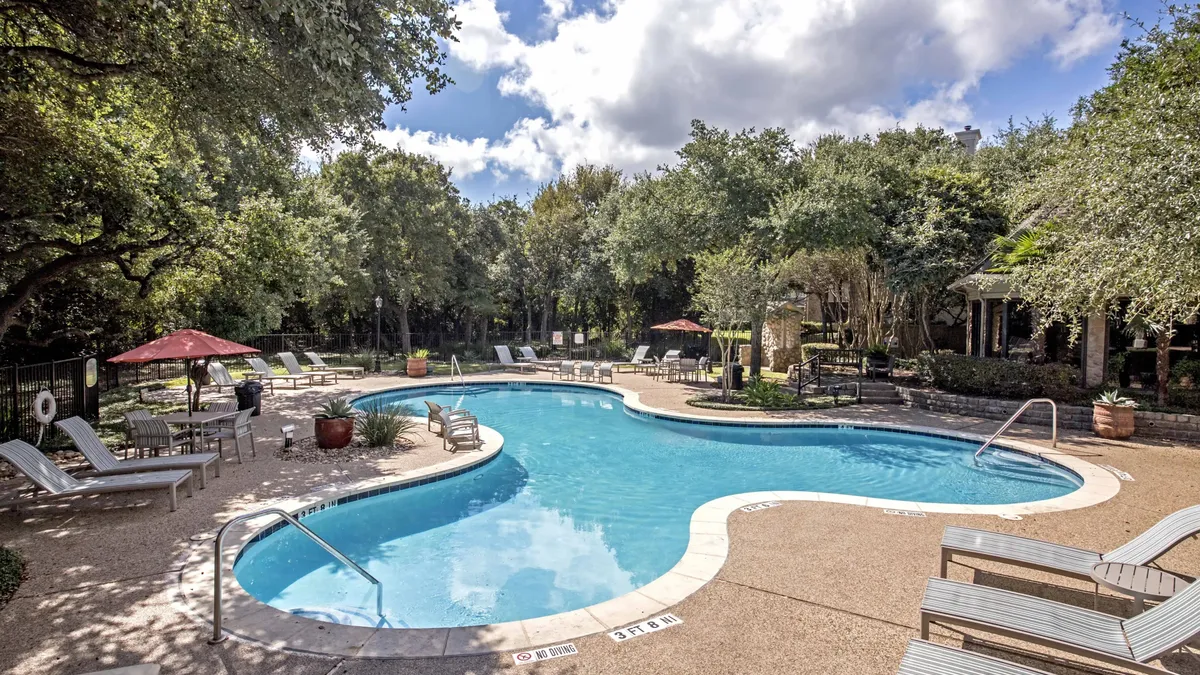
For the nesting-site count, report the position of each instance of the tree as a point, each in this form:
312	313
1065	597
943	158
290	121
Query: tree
411	215
733	288
1124	190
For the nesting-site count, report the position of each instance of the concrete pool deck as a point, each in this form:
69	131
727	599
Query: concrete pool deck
794	595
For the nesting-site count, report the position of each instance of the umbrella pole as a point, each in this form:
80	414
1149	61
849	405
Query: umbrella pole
188	365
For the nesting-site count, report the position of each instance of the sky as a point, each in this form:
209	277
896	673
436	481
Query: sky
543	85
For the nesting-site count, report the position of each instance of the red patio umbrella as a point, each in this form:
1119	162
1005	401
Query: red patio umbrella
184	344
683	326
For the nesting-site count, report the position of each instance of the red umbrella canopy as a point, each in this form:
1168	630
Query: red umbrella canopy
183	344
683	325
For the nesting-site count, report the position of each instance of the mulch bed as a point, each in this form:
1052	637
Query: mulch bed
305	450
813	403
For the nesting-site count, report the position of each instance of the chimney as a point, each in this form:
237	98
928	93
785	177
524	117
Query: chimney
969	138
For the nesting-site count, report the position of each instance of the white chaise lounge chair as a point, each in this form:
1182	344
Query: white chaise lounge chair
506	359
293	368
928	658
639	359
57	484
319	364
264	373
107	464
220	376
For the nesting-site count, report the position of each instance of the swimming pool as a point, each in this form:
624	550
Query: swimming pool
587	502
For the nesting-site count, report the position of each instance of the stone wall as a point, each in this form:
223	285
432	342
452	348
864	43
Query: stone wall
1149	424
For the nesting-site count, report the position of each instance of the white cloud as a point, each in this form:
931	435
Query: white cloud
621	86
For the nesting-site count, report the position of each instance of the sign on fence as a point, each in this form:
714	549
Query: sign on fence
556	338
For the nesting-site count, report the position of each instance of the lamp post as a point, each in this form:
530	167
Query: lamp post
378	309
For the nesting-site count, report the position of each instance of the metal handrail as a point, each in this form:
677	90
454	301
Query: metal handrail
454	364
801	383
218	637
1011	420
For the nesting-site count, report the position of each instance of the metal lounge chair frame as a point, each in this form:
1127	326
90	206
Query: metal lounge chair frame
107	464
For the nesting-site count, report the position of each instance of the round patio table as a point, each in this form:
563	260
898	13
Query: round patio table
1138	581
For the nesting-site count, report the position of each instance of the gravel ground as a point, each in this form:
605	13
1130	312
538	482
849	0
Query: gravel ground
305	450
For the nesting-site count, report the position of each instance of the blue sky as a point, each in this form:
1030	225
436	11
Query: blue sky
541	85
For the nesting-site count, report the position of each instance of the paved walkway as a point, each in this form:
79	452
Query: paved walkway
797	595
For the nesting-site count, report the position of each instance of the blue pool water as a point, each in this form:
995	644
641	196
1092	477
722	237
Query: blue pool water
587	502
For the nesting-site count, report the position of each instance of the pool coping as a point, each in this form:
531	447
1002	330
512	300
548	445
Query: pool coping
246	618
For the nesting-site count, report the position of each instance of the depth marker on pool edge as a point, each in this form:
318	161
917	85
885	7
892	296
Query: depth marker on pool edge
649	626
534	655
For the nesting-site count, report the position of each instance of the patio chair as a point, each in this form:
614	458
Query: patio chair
220	376
688	370
639	358
435	415
153	435
55	483
106	464
293	367
527	354
222	406
264	373
506	359
566	371
671	355
587	370
319	363
459	432
604	370
234	430
928	658
1129	643
1066	560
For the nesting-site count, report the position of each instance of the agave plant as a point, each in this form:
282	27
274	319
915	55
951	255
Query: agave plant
336	409
1114	397
421	353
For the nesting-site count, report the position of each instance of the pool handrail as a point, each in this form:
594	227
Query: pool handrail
454	364
218	635
1025	406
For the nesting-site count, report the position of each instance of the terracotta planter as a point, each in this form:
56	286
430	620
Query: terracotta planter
1112	421
333	433
417	367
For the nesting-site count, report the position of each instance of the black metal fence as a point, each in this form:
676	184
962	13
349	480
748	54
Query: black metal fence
74	383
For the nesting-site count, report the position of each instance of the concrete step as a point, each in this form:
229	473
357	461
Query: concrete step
891	400
878	386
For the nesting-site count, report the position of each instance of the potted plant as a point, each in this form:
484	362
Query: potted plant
335	424
417	364
1112	415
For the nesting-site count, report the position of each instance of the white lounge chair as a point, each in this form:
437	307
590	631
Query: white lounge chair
459	431
1129	643
41	472
604	370
319	364
928	658
293	368
259	370
435	415
1067	560
527	354
220	376
639	359
506	359
106	464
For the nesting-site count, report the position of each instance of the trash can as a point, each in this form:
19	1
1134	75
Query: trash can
735	376
249	395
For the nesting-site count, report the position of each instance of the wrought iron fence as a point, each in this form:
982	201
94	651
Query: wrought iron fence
74	383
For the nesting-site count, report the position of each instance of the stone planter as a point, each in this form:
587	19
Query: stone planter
417	367
334	432
1112	421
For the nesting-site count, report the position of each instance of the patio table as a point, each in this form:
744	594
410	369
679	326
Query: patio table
197	419
1142	582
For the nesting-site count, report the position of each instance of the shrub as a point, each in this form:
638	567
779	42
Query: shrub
12	570
998	378
763	393
810	350
421	353
382	425
364	360
1185	369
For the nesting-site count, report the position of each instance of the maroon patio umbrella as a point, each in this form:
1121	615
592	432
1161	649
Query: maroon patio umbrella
184	344
682	326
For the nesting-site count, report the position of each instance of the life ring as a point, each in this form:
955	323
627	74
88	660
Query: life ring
44	407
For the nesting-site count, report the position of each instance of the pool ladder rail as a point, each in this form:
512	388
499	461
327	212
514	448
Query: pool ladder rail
454	365
1022	409
218	635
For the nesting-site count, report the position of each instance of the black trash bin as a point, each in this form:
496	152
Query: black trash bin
249	395
735	376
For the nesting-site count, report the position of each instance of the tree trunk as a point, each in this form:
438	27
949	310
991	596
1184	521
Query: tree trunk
468	321
405	338
483	335
1163	362
528	321
546	299
756	338
925	327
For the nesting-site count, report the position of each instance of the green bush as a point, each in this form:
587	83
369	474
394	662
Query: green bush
364	360
765	393
1187	368
810	350
382	425
12	569
998	378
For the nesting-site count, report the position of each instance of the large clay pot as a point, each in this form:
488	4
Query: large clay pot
1112	421
333	433
417	367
